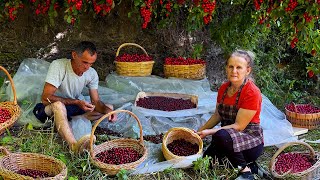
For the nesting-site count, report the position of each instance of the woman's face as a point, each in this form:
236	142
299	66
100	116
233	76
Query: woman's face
237	69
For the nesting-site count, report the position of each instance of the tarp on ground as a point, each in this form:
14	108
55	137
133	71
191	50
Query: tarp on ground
121	92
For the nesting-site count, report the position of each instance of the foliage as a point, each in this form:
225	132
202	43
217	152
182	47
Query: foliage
299	19
50	8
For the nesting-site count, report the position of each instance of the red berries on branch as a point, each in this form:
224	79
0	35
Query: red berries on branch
146	16
183	61
133	58
292	5
294	42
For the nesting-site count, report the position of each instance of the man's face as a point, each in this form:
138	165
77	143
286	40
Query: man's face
82	62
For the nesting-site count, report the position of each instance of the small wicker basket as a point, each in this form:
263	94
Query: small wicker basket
12	107
133	68
311	173
194	71
309	121
138	145
13	162
179	133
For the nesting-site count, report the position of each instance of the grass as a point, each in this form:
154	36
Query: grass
48	142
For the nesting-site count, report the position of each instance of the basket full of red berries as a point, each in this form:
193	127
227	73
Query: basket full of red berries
187	68
31	166
133	64
9	110
123	153
303	115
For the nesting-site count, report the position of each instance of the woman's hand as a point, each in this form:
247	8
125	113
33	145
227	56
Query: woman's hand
207	132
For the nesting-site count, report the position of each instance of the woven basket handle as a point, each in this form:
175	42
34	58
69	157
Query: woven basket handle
109	114
12	85
4	150
273	159
130	44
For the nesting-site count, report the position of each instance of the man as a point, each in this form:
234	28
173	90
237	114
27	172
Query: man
62	96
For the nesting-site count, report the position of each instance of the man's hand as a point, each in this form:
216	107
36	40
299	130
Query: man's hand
87	107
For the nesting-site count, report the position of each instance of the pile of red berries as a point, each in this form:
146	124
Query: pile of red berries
181	147
33	173
165	103
133	58
4	115
119	155
293	162
183	61
302	108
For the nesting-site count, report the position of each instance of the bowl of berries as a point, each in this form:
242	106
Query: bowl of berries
133	64
303	115
9	110
187	68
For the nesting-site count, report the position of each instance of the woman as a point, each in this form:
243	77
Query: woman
240	137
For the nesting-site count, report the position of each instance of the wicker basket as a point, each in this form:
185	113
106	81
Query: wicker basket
13	162
309	121
133	68
12	107
195	71
179	133
138	145
312	173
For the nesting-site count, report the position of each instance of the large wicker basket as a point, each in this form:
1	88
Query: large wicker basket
311	173
138	145
179	133
309	121
13	162
12	107
195	71
133	68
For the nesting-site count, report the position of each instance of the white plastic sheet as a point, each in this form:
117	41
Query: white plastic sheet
121	92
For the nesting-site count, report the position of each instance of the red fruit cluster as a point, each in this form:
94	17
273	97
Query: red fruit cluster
183	61
257	4
33	173
120	155
307	17
310	74
294	42
180	2
148	3
293	162
165	103
133	58
302	108
292	5
12	10
102	8
208	7
44	6
181	147
4	115
146	16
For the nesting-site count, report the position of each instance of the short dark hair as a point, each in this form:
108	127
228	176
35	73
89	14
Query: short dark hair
85	46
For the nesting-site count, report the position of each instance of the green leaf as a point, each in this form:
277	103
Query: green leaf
6	140
29	126
63	158
129	14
